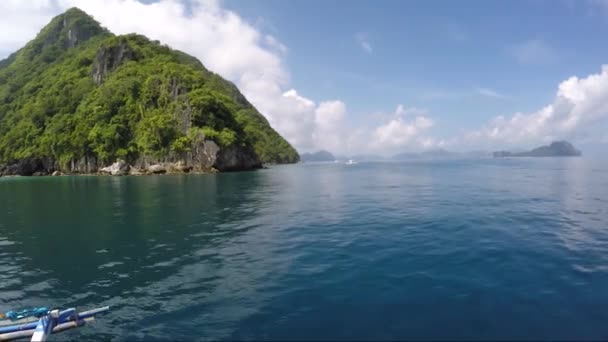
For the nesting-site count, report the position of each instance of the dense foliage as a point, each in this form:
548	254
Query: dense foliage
77	90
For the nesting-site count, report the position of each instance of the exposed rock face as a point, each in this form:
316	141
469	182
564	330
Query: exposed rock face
133	171
120	168
110	58
204	154
204	157
67	31
83	165
180	166
157	169
28	167
236	159
76	34
157	90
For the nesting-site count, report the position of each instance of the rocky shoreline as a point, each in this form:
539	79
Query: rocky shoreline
206	157
119	168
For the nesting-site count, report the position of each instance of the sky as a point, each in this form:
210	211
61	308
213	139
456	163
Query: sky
385	76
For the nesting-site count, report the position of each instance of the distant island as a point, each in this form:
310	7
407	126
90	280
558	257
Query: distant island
440	154
326	156
363	158
319	156
79	99
556	149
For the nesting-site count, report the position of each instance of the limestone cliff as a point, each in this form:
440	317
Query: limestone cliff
77	99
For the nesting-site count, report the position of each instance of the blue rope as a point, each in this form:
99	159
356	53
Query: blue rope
35	312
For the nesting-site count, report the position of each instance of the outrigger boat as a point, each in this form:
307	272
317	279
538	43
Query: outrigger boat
40	323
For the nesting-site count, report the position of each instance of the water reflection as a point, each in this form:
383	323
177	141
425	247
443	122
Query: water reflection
313	251
148	228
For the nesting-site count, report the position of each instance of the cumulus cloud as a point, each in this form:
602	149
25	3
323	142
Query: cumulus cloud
330	129
220	38
579	104
398	132
533	52
240	52
20	21
407	129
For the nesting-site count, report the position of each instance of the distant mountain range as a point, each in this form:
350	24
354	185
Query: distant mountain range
319	156
364	158
325	156
441	154
556	149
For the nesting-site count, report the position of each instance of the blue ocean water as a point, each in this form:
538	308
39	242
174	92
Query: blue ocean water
423	250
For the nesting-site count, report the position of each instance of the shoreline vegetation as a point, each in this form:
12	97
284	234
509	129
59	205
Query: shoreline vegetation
80	100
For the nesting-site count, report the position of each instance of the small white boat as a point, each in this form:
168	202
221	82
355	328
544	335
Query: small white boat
350	162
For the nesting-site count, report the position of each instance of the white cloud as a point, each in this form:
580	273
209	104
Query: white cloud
330	113
240	52
275	44
363	40
533	52
330	132
400	110
431	143
579	105
20	21
401	132
487	92
220	38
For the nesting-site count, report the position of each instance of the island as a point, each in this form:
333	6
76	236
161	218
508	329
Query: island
440	154
319	156
555	149
79	99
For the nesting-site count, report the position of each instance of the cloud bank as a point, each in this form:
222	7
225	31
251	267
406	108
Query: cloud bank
232	47
254	60
579	105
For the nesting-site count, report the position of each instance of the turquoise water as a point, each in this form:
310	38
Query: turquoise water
485	249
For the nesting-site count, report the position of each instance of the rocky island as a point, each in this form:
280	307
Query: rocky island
319	156
79	99
556	149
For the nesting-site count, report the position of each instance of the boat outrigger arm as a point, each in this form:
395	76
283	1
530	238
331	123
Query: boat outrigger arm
52	322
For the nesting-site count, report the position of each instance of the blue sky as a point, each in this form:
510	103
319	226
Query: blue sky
384	76
436	54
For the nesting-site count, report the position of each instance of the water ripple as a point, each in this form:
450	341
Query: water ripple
459	250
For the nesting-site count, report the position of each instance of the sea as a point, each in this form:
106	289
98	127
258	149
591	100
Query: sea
485	249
